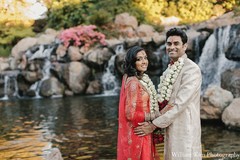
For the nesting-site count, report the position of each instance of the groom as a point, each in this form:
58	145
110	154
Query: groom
179	94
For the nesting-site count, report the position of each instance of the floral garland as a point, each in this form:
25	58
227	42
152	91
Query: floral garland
167	80
147	83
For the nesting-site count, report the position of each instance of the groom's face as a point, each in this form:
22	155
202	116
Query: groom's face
175	47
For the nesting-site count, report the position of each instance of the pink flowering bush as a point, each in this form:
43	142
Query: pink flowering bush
82	36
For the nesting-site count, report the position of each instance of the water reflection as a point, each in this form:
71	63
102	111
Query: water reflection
219	142
83	127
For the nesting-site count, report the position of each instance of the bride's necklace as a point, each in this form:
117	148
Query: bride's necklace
147	83
168	78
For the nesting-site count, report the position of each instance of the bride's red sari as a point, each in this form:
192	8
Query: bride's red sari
134	101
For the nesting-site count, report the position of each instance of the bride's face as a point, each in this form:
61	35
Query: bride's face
141	62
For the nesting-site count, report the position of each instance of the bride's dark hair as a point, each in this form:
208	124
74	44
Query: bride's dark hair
130	61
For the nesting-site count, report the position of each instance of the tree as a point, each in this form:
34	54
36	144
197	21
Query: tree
190	11
152	8
14	24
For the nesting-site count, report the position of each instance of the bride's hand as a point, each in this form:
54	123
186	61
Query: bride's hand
144	128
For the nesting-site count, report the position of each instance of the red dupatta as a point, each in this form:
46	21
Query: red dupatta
131	146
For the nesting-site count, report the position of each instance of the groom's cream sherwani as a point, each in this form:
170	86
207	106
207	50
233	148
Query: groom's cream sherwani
182	122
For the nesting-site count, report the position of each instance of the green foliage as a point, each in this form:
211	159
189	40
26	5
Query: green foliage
100	17
11	13
190	11
10	35
171	9
228	4
158	28
198	10
152	8
236	10
5	50
109	31
63	14
69	13
66	15
14	24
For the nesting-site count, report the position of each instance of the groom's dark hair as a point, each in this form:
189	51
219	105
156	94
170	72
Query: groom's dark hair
177	32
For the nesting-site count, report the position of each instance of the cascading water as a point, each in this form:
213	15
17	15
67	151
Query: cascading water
109	79
213	61
164	57
10	84
6	86
42	54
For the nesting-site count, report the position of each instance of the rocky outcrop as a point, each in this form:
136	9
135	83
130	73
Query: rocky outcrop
43	60
230	80
51	87
22	46
94	87
224	20
234	50
77	77
126	22
214	101
230	116
4	64
98	56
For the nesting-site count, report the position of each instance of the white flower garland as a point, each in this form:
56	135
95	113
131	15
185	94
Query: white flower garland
148	84
168	78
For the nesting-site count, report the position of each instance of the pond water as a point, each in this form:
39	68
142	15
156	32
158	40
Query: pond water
84	127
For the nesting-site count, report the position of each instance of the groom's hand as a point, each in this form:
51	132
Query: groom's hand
144	128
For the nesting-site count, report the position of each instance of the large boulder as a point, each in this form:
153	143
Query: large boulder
61	51
45	39
4	64
51	87
224	20
214	101
78	77
231	115
22	46
32	76
230	80
74	53
234	50
98	56
125	20
145	30
94	87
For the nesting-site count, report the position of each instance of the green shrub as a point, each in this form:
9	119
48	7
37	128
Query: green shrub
10	35
109	30
236	10
66	14
100	17
5	50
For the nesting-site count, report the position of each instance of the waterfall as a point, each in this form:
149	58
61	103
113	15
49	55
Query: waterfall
213	61
15	94
197	49
6	86
161	52
109	79
10	85
42	54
